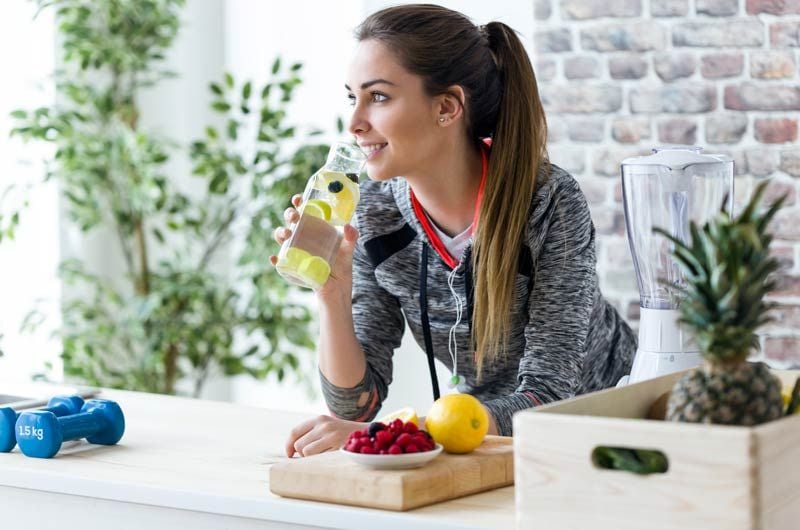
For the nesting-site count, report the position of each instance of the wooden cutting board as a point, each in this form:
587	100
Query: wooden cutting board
333	477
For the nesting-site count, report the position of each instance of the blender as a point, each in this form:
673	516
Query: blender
667	189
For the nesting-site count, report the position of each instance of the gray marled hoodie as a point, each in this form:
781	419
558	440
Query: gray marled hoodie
566	338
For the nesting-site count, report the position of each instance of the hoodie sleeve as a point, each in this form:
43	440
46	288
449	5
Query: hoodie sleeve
559	305
379	326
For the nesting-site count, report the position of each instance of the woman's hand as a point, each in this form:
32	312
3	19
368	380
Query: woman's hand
320	434
340	282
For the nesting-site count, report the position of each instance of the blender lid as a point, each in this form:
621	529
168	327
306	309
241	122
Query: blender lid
675	158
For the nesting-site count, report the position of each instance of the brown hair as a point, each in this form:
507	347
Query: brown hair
502	102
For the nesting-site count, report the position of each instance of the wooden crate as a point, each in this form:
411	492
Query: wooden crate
719	477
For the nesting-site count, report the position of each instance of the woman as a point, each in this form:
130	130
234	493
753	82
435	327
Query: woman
481	245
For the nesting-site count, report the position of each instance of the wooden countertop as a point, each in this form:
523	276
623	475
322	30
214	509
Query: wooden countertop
214	458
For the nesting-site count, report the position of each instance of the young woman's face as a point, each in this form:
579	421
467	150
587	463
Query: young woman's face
394	120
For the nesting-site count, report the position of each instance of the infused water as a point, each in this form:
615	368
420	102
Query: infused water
328	203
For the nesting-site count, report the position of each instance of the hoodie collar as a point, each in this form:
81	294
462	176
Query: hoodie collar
413	213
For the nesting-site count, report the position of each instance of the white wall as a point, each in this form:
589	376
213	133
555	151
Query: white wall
28	264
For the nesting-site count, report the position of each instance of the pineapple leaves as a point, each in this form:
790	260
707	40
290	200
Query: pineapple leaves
727	272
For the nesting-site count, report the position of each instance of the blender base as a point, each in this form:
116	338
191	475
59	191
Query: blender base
647	364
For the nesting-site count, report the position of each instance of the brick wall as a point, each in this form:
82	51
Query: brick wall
620	76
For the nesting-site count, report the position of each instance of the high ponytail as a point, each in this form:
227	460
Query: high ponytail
518	151
502	103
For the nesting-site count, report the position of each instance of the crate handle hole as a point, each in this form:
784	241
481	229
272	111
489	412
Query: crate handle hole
631	459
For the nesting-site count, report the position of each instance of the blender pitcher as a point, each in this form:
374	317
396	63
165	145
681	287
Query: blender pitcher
329	201
667	189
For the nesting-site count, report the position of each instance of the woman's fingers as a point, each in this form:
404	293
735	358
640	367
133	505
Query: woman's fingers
347	247
290	215
318	435
297	433
350	234
281	234
313	438
320	445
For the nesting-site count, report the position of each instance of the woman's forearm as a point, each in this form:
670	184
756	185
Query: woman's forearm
341	359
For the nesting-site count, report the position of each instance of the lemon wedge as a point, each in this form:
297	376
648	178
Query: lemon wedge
344	204
318	208
406	414
293	258
314	271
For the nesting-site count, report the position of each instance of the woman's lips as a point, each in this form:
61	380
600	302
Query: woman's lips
372	150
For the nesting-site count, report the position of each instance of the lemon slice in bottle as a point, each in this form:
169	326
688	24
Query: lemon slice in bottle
317	208
293	258
344	204
314	271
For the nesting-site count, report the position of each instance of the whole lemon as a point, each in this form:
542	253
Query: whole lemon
458	422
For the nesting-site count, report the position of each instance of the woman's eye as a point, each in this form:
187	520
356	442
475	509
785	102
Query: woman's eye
375	97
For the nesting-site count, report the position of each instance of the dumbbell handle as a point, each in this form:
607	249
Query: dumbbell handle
58	410
82	425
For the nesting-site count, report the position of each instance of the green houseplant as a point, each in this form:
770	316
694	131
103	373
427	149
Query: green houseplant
175	316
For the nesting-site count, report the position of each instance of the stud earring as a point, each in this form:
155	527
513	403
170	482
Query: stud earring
441	120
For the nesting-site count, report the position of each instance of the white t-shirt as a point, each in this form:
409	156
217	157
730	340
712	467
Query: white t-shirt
455	245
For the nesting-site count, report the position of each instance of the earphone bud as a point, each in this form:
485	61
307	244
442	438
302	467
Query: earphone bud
454	381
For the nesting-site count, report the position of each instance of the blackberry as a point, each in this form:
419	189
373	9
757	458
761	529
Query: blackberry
335	186
353	177
374	427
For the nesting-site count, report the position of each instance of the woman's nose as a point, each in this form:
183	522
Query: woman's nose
358	122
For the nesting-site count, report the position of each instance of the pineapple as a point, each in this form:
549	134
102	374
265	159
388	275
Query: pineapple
727	270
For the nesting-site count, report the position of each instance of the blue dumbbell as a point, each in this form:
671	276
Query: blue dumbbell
40	433
58	405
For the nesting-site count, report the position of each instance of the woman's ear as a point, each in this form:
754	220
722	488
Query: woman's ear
450	105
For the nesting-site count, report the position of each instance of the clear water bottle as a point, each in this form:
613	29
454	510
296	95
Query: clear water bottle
329	200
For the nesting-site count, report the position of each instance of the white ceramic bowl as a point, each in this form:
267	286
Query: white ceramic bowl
404	461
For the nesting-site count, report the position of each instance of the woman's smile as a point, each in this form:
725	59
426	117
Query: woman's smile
372	150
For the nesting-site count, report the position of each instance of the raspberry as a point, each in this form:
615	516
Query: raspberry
367	450
384	438
397	425
412	448
404	439
395	449
410	428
